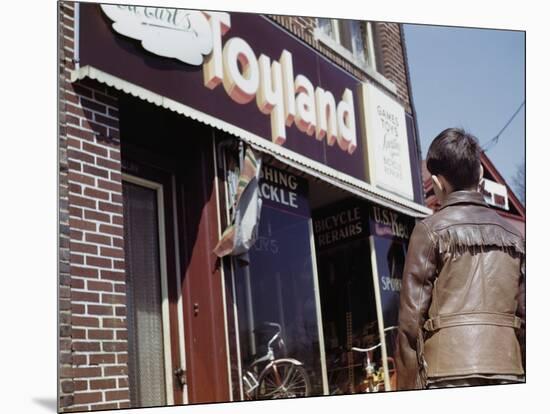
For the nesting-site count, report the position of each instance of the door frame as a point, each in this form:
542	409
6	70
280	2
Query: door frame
167	340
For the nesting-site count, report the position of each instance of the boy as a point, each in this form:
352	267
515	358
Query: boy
462	305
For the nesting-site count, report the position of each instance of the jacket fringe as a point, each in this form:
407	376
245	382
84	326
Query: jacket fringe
462	237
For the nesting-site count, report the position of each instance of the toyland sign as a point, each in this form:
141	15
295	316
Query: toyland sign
188	35
283	90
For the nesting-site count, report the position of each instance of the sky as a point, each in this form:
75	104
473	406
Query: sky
470	78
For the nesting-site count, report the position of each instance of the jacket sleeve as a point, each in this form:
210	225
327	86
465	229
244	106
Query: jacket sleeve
416	292
521	310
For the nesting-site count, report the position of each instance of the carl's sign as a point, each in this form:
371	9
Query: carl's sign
241	68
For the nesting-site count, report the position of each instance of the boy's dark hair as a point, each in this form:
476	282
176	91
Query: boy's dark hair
455	154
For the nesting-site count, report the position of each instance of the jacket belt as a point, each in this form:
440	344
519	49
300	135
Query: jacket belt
472	318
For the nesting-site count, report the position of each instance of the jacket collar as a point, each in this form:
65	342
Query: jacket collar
464	197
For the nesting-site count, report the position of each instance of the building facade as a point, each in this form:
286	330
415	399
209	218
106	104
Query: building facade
161	112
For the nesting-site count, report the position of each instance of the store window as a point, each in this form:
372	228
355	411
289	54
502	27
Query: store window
276	292
352	39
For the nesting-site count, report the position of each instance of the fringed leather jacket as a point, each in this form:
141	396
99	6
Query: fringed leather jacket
462	307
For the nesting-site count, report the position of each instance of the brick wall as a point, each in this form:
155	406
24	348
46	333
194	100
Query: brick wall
93	334
388	44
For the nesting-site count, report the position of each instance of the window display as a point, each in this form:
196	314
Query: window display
276	299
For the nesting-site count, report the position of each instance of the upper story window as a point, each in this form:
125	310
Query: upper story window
352	39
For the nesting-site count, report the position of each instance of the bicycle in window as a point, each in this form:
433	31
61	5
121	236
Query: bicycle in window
269	377
373	380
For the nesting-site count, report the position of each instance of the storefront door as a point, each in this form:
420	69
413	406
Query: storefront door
154	369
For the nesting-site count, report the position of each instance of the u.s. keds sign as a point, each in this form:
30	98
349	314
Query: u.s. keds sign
286	98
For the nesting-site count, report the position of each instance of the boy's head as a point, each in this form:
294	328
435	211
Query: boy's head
454	162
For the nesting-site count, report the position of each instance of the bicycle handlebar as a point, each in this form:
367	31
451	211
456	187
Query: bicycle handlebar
372	348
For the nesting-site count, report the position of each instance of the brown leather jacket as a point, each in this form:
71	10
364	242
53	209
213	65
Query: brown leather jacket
462	309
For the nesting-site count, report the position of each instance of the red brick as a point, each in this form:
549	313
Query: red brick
121	336
98	238
116	198
95	215
99	130
113	299
109	185
100	286
78	308
122	382
110	252
105	99
81	224
117	369
77	259
82	90
113	275
114	323
112	208
73	143
77	132
84	271
93	193
120	287
94	106
77	283
83	248
124	404
75	188
116	395
120	310
110	406
115	231
79	155
87	397
111	165
118	220
76	234
106	121
95	149
102	384
75	166
115	155
80	360
85	321
119	264
80	385
79	178
98	261
86	346
79	296
100	334
113	112
78	334
82	201
70	97
100	310
95	171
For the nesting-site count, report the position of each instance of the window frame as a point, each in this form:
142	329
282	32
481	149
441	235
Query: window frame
369	66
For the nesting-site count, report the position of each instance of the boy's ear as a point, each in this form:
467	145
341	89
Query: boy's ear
437	183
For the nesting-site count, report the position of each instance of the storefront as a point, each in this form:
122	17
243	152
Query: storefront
163	109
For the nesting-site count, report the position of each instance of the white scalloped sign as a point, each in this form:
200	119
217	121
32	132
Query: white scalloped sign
181	34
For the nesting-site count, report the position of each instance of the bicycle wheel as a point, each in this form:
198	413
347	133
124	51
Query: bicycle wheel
283	379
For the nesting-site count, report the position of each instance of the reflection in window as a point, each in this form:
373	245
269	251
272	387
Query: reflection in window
278	287
350	37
